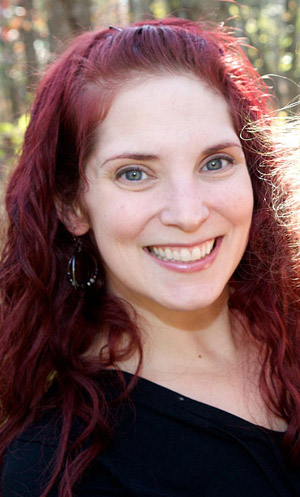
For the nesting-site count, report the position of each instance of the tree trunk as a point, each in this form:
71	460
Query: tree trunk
292	90
10	108
139	10
28	36
187	9
67	18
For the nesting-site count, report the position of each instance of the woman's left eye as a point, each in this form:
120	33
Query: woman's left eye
217	163
133	174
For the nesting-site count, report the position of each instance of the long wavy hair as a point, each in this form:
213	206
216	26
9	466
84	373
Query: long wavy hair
46	326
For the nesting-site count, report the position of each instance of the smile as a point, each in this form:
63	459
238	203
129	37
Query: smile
183	254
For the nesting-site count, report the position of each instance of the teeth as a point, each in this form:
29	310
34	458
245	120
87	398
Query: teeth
184	254
168	254
196	253
208	247
176	255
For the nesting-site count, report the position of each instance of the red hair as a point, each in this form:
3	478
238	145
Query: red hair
46	326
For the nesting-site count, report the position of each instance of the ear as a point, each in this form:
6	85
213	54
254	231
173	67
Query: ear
73	217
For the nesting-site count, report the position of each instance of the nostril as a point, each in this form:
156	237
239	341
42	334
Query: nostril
186	218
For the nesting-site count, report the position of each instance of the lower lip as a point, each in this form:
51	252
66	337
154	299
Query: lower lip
189	267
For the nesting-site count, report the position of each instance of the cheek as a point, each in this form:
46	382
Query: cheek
242	208
236	201
114	219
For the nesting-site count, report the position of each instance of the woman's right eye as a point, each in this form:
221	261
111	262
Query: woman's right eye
132	174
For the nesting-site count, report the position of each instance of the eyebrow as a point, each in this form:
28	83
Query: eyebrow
134	156
151	157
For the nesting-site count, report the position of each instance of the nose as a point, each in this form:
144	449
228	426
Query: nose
185	206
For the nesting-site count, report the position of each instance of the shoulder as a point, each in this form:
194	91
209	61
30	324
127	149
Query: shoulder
28	461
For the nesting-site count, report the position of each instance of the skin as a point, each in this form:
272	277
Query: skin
169	171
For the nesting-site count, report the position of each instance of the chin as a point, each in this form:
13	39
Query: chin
193	302
190	306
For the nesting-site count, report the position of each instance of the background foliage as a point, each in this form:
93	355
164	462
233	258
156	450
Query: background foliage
33	30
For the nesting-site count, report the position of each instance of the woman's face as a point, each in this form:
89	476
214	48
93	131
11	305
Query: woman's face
169	197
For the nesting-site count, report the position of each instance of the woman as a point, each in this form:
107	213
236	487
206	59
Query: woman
150	329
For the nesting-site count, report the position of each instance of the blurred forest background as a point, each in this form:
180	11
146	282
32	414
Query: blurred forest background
33	30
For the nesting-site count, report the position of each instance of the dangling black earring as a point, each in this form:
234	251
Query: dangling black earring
88	261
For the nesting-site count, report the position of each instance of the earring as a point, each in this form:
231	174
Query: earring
89	262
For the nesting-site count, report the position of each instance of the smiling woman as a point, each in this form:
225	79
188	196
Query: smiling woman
183	189
149	292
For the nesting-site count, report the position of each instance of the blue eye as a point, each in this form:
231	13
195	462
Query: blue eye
217	164
132	174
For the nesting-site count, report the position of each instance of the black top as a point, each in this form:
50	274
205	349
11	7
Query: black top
167	446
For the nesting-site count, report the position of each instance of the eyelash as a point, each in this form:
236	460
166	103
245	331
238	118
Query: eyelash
130	169
226	158
137	169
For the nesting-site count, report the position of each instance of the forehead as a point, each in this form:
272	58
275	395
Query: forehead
164	110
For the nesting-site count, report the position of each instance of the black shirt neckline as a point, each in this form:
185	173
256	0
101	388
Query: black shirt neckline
161	397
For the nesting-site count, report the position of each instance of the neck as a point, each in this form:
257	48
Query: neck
175	340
